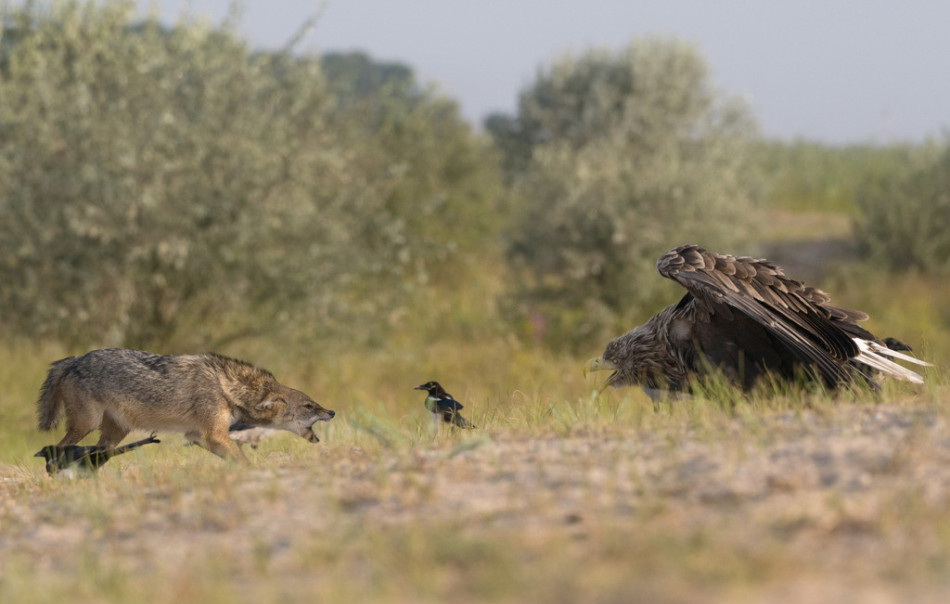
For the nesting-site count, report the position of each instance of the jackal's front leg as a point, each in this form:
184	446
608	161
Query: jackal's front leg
220	443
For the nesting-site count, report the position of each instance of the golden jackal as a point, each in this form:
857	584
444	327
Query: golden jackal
118	390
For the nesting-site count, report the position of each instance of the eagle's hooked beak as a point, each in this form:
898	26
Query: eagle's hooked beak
599	364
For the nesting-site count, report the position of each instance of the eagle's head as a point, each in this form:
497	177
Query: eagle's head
615	359
634	359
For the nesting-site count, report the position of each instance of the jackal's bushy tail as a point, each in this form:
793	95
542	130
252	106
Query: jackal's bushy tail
50	404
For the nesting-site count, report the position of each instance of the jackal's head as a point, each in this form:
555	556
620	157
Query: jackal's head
289	409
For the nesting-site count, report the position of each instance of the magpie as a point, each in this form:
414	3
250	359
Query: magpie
87	458
443	405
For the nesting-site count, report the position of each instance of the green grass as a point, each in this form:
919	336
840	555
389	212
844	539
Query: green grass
559	496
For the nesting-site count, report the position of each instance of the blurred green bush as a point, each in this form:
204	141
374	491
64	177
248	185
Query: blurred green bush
903	221
169	187
809	176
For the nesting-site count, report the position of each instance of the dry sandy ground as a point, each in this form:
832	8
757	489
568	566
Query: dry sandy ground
850	503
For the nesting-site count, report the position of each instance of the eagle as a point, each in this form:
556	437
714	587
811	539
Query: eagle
741	317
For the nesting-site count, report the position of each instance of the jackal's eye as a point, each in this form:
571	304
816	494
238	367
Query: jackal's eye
310	406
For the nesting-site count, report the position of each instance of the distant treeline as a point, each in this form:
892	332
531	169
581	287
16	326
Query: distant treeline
170	187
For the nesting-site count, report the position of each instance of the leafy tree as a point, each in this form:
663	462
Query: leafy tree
355	75
616	157
435	183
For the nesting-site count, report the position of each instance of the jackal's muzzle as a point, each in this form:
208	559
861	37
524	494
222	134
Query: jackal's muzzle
324	416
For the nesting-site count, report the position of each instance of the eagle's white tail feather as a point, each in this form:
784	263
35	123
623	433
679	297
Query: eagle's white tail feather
881	349
875	355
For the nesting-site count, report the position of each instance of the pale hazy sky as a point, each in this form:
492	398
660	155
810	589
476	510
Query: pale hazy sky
832	70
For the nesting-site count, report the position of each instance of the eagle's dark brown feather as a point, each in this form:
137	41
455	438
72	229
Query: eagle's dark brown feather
743	317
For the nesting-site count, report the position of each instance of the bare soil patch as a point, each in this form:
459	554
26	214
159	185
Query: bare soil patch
781	506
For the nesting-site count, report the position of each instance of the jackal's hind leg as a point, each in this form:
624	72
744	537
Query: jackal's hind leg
111	432
74	434
82	417
77	427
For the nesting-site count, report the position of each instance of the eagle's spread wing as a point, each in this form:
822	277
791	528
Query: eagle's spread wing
743	317
819	334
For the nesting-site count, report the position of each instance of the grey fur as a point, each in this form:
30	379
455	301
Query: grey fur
118	390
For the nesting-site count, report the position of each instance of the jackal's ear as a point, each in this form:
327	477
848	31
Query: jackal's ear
268	403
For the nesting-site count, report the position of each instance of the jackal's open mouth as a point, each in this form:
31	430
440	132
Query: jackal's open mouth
308	432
